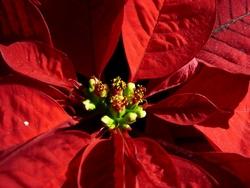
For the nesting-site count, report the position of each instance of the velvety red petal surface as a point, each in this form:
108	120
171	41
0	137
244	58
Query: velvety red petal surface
49	90
118	166
225	169
39	61
87	31
228	130
233	163
233	135
21	20
184	109
175	79
190	174
161	36
229	45
97	167
158	170
170	134
43	161
26	112
224	89
141	162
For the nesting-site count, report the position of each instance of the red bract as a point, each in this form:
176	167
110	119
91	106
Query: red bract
43	146
17	24
87	31
40	62
228	47
232	125
25	113
162	36
40	162
227	125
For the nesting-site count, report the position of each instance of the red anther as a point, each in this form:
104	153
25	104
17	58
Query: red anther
99	88
118	103
139	94
118	85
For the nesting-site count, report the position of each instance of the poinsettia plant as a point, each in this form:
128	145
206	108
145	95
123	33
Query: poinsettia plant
123	94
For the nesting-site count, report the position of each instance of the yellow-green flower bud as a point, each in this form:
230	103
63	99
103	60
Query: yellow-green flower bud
130	117
126	126
109	122
140	112
92	83
129	89
89	106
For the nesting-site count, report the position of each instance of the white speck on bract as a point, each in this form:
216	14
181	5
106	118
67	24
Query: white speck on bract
26	123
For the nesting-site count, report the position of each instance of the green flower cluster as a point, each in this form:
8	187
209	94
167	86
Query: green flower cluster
120	101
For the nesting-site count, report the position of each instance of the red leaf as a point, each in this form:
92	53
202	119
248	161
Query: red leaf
87	31
191	175
158	129
235	164
151	168
92	174
232	136
21	20
25	113
158	168
161	36
224	89
119	160
175	79
229	131
40	62
187	137
217	169
43	161
229	46
184	109
222	169
49	90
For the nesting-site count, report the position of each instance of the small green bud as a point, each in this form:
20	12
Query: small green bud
130	117
89	106
109	122
129	89
131	86
126	126
92	83
140	112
